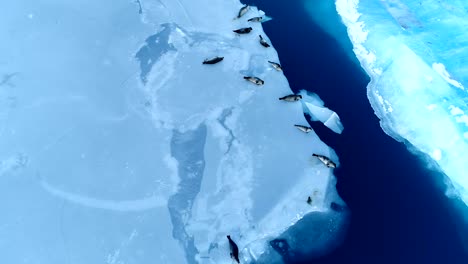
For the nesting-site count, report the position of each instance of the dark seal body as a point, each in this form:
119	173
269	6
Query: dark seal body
275	65
255	80
234	249
304	129
325	160
291	98
243	30
263	42
213	60
243	11
255	19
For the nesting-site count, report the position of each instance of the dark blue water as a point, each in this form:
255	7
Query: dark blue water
399	211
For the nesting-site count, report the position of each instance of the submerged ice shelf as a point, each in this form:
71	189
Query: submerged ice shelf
415	53
124	148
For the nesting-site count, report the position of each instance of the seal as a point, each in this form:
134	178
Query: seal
291	98
234	249
243	11
304	129
243	30
275	65
255	80
255	19
325	160
263	42
213	60
260	19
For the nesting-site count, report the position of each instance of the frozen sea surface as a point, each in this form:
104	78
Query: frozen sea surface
118	146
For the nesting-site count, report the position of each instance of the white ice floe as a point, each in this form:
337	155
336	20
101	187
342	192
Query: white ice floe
111	126
314	106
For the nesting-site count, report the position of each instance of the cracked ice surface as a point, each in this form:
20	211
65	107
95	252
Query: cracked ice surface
118	146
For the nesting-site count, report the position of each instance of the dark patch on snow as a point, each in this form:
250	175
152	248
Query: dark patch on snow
188	149
156	46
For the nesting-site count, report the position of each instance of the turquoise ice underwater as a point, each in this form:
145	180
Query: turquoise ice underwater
416	55
111	154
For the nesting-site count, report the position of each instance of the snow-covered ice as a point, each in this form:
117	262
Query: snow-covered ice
416	55
119	146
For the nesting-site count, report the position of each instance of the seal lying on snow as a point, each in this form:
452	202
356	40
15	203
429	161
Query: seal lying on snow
234	249
213	60
243	30
325	160
275	65
291	98
243	11
263	42
255	80
304	129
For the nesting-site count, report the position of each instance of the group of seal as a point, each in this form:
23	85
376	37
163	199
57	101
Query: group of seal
306	129
234	249
262	41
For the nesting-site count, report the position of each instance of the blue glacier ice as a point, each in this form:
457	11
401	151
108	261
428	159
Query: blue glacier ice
416	55
118	146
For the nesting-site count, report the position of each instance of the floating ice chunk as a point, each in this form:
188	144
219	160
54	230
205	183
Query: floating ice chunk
266	19
261	17
314	106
